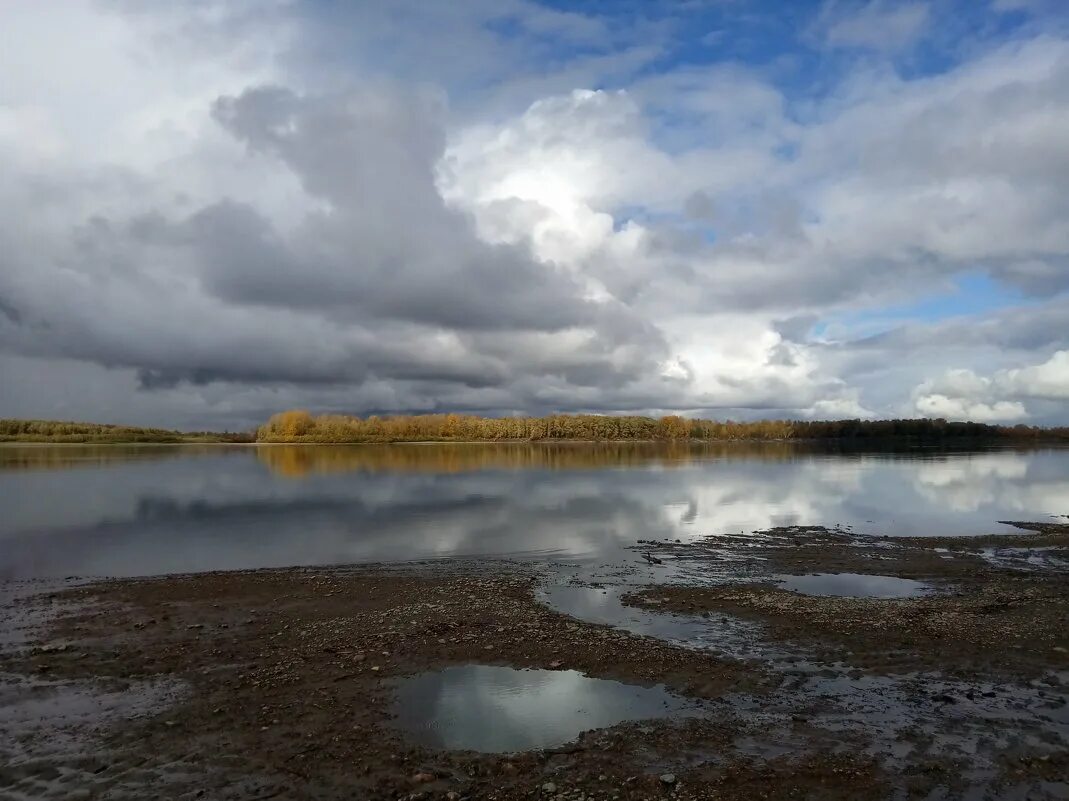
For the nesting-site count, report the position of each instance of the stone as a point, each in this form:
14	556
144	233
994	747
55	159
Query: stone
668	778
549	787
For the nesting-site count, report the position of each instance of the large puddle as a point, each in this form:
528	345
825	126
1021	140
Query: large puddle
854	585
504	710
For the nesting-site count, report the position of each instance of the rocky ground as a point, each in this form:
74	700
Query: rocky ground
281	683
988	615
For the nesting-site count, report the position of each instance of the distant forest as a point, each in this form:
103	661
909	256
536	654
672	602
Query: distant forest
61	431
301	426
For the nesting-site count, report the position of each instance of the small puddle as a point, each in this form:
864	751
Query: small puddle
722	634
503	710
854	585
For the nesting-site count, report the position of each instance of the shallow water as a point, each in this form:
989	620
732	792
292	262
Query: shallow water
854	585
576	509
502	710
143	510
723	634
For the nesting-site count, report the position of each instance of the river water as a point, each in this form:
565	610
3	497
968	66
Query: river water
146	510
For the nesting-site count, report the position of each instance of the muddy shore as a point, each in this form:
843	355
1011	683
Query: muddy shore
990	611
281	683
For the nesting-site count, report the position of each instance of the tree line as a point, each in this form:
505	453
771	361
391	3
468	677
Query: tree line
298	425
301	426
14	430
923	429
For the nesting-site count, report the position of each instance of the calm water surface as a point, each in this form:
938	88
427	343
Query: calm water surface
854	585
143	510
500	709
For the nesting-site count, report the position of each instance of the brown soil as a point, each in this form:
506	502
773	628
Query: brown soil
983	619
281	683
285	684
1044	535
1008	625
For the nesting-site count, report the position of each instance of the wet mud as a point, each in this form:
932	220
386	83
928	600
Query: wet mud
292	683
982	616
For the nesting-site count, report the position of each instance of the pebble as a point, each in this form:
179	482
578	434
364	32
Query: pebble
668	778
549	787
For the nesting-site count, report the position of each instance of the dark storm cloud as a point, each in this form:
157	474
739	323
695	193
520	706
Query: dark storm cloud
387	246
375	281
169	378
10	311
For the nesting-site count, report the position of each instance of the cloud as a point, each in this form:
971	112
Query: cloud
1049	380
876	25
529	210
998	397
839	409
936	405
369	157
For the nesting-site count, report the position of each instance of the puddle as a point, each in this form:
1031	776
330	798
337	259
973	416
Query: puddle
854	585
503	710
1052	558
723	634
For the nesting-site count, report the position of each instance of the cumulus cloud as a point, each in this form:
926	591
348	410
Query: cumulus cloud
519	221
1049	380
937	405
998	397
839	408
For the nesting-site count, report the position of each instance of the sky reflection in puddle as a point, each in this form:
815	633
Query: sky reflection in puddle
723	634
501	710
854	585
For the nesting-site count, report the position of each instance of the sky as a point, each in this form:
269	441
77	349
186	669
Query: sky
214	210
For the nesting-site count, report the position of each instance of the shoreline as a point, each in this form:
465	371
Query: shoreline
249	681
875	443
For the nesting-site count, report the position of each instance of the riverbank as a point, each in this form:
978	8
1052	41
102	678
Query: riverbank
284	682
990	606
284	676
